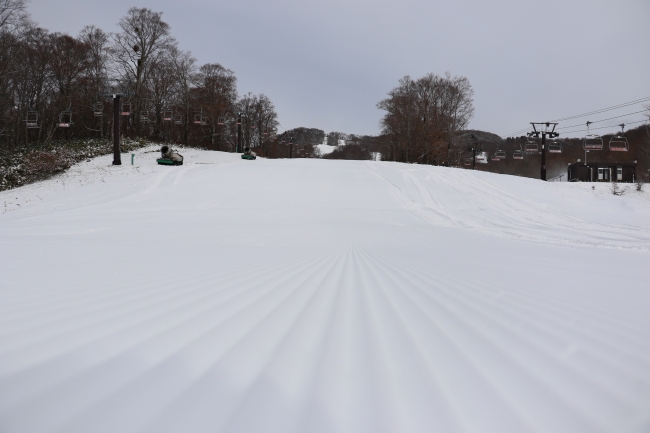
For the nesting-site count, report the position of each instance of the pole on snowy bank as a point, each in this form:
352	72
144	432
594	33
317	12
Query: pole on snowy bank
239	147
290	146
473	148
117	158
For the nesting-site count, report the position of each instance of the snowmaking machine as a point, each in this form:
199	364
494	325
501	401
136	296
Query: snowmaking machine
169	157
248	153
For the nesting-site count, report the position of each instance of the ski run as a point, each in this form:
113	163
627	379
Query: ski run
312	295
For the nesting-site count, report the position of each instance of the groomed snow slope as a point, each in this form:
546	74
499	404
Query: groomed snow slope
321	296
325	149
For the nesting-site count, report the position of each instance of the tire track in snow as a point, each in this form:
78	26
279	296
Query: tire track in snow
228	362
157	181
482	359
179	176
610	398
65	300
501	210
109	300
442	370
423	400
118	397
128	327
634	361
312	325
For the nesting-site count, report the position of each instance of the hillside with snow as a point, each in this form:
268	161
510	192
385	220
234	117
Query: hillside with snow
313	295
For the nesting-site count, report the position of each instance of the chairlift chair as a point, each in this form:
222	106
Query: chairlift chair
531	146
518	154
32	119
555	147
498	155
592	141
126	109
482	158
468	156
65	119
618	143
178	119
144	117
167	116
98	109
220	121
198	119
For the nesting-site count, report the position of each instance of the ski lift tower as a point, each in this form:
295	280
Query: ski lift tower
116	94
545	132
238	132
473	147
117	111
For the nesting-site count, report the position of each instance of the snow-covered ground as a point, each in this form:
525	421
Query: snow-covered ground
325	149
321	296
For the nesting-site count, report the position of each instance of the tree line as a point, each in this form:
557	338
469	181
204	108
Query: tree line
56	86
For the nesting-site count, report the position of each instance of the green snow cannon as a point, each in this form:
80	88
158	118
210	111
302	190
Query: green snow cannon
248	154
169	157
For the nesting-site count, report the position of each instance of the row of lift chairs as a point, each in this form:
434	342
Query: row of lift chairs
171	116
177	118
33	122
65	117
617	143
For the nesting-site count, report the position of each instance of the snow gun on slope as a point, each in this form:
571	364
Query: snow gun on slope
169	157
248	153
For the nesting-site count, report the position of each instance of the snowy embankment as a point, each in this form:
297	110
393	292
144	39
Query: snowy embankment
335	296
325	149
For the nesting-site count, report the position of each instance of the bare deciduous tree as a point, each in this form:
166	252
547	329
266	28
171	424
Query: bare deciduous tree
217	95
423	115
184	69
135	50
258	115
12	14
46	77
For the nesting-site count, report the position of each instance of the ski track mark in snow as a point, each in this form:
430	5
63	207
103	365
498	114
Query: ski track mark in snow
258	343
157	181
456	305
180	175
196	308
493	210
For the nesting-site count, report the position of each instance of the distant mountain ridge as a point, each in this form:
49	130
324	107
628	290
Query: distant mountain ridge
465	137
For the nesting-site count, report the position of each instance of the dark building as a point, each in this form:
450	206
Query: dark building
602	172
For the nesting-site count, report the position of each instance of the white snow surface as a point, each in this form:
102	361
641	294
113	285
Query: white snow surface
325	149
311	295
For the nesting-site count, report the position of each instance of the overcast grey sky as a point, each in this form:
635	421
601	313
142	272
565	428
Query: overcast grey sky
326	64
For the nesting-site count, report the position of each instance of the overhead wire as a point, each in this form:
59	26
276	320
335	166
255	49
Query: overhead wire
606	127
603	120
602	110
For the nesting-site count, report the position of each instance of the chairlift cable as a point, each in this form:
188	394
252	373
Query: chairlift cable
625	104
602	110
606	127
603	120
